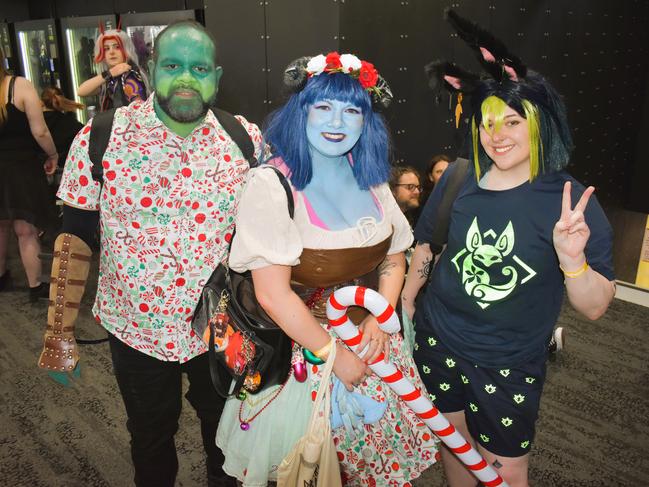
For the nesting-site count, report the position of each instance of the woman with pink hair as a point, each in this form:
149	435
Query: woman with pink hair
121	80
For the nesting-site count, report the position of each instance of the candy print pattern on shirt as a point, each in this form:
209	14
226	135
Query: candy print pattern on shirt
167	211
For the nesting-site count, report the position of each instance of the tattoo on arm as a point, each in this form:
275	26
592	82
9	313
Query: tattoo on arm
424	271
385	267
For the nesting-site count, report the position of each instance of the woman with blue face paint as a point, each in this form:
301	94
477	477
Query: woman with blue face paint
347	230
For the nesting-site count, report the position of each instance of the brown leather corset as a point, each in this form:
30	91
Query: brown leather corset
321	272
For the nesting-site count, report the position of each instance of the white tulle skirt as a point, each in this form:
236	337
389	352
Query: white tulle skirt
253	456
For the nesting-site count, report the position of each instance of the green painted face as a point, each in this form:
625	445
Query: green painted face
185	77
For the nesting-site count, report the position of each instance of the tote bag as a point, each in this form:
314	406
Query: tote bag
313	460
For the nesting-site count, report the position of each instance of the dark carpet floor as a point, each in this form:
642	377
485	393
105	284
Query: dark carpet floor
593	429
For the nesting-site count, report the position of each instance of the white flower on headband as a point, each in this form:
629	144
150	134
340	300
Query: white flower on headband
316	65
350	63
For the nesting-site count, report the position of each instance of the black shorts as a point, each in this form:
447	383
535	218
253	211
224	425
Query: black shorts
501	405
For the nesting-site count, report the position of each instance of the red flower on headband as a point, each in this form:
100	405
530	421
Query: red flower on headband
368	75
333	61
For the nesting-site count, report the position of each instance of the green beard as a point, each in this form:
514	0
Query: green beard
185	111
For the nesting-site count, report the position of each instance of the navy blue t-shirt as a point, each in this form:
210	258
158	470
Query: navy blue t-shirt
497	289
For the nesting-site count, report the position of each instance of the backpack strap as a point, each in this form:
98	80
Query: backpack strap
237	133
12	82
102	126
457	176
287	188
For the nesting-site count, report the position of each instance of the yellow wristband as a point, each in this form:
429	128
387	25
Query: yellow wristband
576	273
323	353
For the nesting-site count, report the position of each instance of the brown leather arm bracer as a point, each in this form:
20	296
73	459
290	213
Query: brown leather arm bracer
69	273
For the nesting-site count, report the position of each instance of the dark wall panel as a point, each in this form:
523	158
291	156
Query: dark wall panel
82	8
123	6
13	10
638	187
40	9
238	26
296	28
384	39
596	53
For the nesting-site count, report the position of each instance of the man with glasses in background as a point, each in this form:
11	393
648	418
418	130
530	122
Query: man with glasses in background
406	188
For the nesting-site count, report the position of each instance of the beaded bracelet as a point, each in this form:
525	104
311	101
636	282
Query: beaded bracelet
576	273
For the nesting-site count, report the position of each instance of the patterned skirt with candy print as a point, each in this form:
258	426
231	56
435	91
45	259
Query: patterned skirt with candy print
391	452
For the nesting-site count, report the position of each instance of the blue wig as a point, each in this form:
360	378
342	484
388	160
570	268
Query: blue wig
285	131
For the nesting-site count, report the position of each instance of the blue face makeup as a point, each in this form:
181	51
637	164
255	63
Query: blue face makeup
333	127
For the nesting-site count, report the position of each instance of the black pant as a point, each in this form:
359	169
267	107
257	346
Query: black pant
151	390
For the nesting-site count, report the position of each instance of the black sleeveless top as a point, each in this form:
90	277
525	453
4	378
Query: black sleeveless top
24	192
16	141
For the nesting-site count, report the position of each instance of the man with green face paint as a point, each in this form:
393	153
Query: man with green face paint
185	77
171	180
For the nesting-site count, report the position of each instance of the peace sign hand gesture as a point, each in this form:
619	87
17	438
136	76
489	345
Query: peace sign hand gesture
571	233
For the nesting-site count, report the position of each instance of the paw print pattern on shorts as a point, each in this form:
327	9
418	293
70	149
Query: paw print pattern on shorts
518	398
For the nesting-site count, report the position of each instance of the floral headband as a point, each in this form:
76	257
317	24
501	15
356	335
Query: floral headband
299	71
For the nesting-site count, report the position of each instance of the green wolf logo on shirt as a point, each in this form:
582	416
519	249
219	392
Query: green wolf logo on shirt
477	263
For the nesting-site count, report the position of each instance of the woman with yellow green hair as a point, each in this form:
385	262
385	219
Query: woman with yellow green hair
516	242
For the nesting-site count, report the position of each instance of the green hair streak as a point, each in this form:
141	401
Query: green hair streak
496	107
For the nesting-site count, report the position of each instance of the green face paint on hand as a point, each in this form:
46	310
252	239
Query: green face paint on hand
185	78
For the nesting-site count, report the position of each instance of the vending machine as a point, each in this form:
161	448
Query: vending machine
7	47
38	53
79	36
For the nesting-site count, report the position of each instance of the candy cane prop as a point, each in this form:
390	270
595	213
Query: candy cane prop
376	304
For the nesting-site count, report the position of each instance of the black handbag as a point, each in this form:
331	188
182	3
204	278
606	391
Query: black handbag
244	343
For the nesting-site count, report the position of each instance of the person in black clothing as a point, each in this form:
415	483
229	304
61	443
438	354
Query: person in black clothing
522	233
436	167
25	202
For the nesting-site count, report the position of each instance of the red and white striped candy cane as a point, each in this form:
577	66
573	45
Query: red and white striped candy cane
376	304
